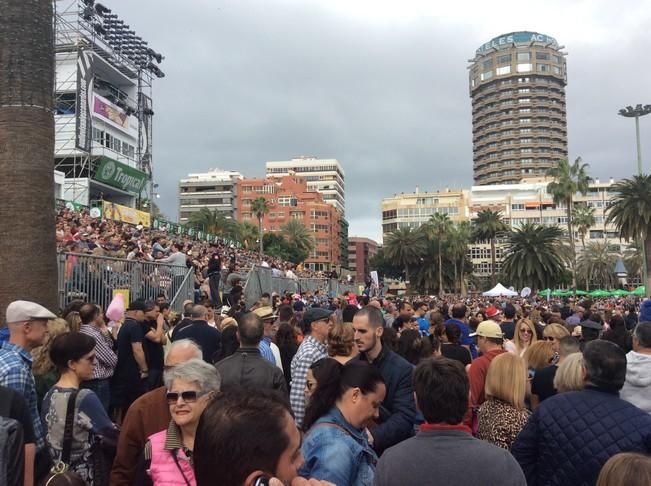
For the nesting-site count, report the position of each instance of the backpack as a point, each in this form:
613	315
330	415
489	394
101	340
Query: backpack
12	452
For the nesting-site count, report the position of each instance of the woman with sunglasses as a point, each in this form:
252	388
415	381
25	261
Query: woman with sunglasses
524	336
335	446
553	333
73	354
168	453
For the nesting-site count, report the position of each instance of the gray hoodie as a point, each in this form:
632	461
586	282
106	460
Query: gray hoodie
637	388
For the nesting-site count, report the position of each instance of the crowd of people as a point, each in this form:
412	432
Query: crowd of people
346	390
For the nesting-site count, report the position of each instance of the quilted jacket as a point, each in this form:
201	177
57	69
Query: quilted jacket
571	435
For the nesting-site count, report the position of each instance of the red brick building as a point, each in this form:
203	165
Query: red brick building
360	251
289	198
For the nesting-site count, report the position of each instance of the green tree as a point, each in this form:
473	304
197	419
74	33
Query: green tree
534	256
384	266
596	264
213	222
260	206
247	234
405	247
298	237
568	180
488	226
26	148
460	236
630	212
439	228
583	219
633	260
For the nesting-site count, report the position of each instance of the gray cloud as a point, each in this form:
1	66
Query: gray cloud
250	81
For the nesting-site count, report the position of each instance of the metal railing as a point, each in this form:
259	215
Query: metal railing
261	280
97	279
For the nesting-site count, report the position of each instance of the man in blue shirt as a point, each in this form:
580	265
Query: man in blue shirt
420	309
459	312
27	324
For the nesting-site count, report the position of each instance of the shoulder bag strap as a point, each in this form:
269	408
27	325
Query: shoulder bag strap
176	461
67	431
330	424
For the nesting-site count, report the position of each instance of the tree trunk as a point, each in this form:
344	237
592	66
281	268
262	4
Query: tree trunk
260	235
573	249
493	262
462	279
647	263
28	259
440	272
455	275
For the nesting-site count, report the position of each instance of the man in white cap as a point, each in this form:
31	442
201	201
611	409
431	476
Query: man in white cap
27	324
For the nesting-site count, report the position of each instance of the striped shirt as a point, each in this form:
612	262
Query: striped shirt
265	351
308	352
106	357
16	373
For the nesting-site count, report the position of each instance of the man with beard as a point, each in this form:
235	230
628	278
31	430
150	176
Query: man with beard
397	412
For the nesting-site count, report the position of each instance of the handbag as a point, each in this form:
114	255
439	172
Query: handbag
60	474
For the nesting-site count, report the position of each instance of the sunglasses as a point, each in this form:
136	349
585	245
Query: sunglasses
524	329
548	338
189	396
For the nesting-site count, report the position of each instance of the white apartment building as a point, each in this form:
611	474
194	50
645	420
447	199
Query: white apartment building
322	175
214	190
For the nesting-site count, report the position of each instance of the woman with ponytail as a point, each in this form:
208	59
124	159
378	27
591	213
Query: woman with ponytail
335	446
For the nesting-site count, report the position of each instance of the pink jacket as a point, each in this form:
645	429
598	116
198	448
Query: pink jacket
163	469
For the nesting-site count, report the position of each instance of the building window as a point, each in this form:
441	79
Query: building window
525	120
524	68
503	70
524	56
543	68
504	59
556	70
542	56
488	64
486	75
557	59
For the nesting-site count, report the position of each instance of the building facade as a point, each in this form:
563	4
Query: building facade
519	124
290	199
413	209
103	106
214	190
360	251
325	176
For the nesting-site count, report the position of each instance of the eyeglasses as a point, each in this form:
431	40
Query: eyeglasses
188	396
525	329
548	338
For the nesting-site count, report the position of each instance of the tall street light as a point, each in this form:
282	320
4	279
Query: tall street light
637	112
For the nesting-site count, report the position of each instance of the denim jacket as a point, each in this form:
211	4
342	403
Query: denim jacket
338	453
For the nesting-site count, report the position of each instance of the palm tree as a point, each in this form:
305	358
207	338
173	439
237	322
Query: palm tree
568	180
630	212
213	222
583	218
596	265
247	234
633	260
459	238
488	225
298	236
26	148
405	247
534	256
260	206
439	227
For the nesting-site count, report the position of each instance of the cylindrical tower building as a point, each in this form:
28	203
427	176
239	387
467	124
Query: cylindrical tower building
519	125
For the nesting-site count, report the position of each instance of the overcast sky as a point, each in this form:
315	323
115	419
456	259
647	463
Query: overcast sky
379	85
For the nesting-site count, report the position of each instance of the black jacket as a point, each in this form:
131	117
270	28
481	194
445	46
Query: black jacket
398	410
247	368
207	337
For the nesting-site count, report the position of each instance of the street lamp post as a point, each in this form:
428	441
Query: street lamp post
637	112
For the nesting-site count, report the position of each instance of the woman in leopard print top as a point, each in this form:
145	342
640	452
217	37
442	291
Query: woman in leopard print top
503	415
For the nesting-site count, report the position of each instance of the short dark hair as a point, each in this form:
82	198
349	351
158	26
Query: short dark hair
285	313
349	312
150	305
509	311
605	364
453	333
71	346
251	329
402	304
441	387
163	306
643	334
224	441
569	345
373	314
459	311
88	313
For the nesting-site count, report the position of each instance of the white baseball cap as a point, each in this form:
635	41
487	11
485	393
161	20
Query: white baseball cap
23	310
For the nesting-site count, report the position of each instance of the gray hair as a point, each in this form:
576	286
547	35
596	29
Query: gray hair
187	343
643	334
195	371
198	311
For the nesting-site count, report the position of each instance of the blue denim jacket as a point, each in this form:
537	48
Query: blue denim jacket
343	457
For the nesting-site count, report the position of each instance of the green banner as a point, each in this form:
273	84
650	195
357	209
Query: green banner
119	175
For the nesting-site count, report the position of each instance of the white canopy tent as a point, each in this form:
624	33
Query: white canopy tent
500	290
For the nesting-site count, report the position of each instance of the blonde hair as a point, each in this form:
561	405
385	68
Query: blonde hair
557	331
41	363
539	355
74	321
516	335
629	468
569	375
341	339
507	379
